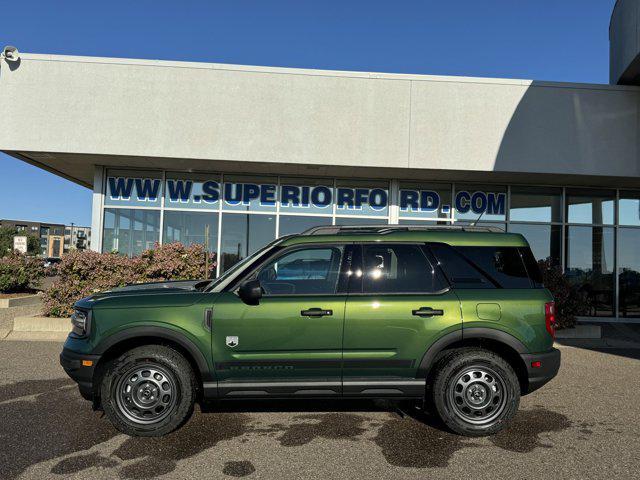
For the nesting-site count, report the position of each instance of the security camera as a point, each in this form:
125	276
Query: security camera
10	53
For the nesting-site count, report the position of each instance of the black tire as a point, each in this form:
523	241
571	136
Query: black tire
475	392
148	391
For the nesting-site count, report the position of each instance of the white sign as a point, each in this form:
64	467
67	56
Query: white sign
20	244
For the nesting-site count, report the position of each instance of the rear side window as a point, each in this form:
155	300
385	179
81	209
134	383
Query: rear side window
398	269
460	272
484	267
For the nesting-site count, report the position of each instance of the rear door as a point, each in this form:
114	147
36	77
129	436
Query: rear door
398	305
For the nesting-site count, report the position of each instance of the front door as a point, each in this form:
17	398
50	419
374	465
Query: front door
291	343
399	305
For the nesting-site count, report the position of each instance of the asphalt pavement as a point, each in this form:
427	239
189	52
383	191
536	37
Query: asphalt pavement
584	424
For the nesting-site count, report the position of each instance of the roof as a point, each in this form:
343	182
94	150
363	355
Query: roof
450	237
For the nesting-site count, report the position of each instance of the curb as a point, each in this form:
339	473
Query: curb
14	336
25	301
37	323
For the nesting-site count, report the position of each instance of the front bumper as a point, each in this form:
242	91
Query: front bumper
549	364
82	374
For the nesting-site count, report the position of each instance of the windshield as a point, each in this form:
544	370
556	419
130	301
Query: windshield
241	264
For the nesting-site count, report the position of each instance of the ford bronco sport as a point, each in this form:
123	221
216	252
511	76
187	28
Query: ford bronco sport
456	317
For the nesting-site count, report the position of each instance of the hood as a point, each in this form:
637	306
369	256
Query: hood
178	293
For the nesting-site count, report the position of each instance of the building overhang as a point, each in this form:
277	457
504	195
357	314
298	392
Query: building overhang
68	115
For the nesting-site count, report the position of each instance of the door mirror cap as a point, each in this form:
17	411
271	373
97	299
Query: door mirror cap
250	292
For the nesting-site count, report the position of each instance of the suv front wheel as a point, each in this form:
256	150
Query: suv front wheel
148	391
475	391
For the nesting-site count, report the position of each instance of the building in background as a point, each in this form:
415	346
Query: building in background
55	238
234	156
76	237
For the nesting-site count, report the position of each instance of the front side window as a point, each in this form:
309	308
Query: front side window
398	269
307	271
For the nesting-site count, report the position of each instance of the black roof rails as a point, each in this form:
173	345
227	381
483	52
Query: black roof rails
386	229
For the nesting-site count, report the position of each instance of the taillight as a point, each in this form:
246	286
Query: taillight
550	318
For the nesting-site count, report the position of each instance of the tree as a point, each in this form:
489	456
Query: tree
6	241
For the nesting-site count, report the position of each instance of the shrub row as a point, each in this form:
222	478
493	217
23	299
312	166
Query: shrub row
84	272
20	273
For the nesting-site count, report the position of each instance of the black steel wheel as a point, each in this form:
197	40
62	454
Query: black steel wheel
475	391
148	391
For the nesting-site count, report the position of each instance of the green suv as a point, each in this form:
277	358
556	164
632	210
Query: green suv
453	316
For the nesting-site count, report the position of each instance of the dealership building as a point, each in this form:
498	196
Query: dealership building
234	156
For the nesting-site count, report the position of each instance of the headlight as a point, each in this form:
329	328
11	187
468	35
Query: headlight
80	322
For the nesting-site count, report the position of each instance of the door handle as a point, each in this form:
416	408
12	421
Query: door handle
316	312
427	312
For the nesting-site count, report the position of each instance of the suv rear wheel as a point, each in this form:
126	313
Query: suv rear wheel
148	391
475	391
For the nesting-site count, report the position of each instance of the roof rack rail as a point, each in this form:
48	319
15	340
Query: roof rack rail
386	229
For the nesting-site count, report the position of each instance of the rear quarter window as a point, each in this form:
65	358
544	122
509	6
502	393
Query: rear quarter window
486	267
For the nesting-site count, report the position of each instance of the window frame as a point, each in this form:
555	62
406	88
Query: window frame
356	284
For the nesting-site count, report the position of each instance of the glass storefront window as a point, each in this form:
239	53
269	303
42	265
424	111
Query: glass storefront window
130	231
249	193
424	200
360	221
592	206
590	253
362	197
306	195
190	228
629	271
484	202
545	240
536	204
290	224
133	188
629	208
244	234
193	191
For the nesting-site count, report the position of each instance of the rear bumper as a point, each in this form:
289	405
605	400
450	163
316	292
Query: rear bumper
82	374
547	369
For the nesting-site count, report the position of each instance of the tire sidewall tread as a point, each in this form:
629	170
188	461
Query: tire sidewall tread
184	377
449	366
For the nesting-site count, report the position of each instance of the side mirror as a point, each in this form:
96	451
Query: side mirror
250	292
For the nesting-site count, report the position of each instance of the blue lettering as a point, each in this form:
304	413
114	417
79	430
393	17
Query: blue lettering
408	200
268	195
147	189
250	191
290	195
321	196
378	199
429	201
479	203
345	198
120	188
210	191
361	197
463	202
496	203
232	190
179	190
306	191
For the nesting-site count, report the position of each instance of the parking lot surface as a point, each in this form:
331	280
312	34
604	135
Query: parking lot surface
584	424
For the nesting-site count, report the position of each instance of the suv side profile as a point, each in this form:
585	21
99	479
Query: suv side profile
456	317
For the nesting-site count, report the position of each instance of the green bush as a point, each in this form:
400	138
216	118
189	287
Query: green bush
20	273
570	303
84	272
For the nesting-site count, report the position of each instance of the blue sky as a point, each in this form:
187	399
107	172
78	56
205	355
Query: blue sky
533	39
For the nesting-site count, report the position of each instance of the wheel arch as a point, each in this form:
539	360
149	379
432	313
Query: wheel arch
497	341
120	342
